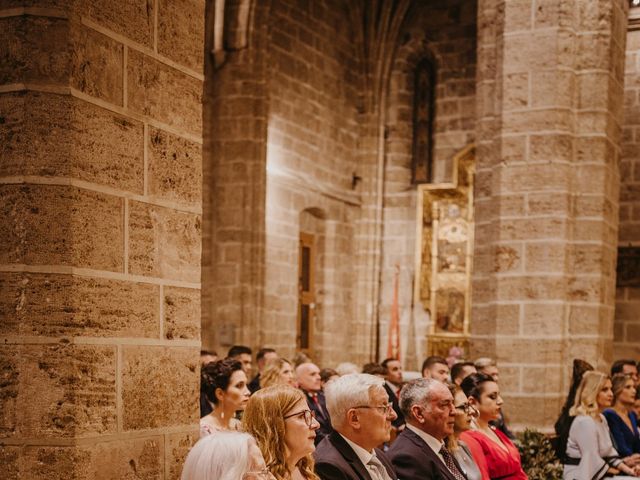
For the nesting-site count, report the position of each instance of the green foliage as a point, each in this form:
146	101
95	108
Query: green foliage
538	457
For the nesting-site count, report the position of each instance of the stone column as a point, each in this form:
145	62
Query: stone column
549	104
100	192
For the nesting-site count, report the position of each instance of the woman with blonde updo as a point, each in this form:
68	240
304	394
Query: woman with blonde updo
590	453
277	372
279	419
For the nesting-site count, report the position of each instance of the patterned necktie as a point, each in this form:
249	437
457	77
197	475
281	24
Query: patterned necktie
377	470
448	461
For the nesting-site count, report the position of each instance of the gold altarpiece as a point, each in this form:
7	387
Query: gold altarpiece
444	256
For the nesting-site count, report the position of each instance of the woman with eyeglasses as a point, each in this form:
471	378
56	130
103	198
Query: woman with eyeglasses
224	384
501	455
225	456
474	468
285	429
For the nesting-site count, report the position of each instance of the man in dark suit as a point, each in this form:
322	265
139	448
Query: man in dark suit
393	384
308	377
361	416
419	451
264	356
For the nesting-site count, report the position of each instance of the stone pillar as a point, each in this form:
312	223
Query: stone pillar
100	188
550	76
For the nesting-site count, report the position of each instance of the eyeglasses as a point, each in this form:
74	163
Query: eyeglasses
385	409
465	407
263	474
309	416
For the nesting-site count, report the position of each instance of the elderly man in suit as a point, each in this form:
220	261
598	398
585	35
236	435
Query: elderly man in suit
361	417
419	451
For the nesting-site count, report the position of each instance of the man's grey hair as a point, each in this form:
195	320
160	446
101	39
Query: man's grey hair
349	391
417	392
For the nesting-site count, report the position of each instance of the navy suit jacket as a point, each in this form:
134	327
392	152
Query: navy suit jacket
412	459
321	413
336	460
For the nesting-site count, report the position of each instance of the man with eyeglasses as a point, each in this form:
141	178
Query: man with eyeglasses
361	417
419	451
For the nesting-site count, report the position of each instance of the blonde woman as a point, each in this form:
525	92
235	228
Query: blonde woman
590	454
279	419
225	456
277	372
622	420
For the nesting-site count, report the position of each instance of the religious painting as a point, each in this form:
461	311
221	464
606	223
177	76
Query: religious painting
628	267
444	253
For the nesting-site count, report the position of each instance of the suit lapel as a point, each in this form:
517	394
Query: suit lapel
442	468
349	455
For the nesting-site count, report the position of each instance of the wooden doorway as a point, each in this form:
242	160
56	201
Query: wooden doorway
306	293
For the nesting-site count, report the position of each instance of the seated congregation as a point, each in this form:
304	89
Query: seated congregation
295	421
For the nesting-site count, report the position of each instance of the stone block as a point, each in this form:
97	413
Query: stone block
516	91
181	32
177	448
532	411
538	350
548	204
9	459
160	387
543	319
507	258
548	257
36	50
517	15
533	229
553	88
66	305
175	168
56	135
539	177
584	319
543	380
49	462
137	458
530	288
132	19
97	68
70	390
530	51
163	93
164	242
632	332
509	379
60	225
181	313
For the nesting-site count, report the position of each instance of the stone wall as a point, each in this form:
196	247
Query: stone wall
100	232
627	318
549	102
447	34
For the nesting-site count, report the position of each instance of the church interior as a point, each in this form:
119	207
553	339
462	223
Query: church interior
337	177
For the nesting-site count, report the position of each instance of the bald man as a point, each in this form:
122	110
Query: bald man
308	377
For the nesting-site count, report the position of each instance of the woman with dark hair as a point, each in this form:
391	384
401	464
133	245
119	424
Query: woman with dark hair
224	384
501	455
563	424
279	419
473	468
622	420
590	453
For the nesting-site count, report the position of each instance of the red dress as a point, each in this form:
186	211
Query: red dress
501	464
